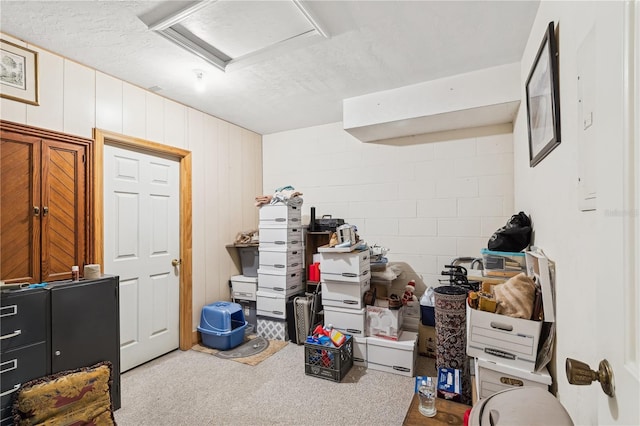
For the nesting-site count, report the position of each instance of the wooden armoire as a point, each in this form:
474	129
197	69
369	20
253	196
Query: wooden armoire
45	203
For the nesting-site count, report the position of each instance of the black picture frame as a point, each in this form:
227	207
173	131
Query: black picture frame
543	103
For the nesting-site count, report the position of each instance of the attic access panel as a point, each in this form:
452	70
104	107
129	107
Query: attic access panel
224	31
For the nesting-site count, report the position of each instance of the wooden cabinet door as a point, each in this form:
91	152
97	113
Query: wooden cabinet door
44	201
63	214
20	208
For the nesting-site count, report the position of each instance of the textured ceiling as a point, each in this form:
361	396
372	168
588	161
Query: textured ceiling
372	46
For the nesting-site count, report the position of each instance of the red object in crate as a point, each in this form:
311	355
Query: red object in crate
314	272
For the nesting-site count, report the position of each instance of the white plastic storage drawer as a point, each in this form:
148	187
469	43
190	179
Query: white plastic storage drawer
280	262
271	305
283	285
353	263
492	377
243	287
344	294
393	356
349	321
280	216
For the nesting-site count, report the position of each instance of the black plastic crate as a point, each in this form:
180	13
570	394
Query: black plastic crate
328	362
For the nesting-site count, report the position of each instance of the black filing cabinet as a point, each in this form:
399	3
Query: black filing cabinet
85	327
24	350
64	326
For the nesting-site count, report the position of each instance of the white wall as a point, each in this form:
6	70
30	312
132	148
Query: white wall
226	159
428	203
550	192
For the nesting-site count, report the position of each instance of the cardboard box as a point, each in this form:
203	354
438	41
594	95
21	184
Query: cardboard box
384	322
393	356
360	351
513	341
427	341
493	377
449	384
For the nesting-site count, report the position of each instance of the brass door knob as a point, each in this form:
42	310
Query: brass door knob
579	373
176	262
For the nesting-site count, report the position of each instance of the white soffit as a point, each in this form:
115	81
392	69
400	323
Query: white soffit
227	32
481	98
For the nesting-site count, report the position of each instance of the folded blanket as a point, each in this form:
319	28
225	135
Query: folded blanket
515	297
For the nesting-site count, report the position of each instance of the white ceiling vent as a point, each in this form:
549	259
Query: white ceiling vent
227	32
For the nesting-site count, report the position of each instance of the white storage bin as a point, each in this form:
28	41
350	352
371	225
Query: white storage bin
271	305
360	351
494	377
280	216
351	266
349	321
344	294
280	262
283	285
503	339
393	356
243	287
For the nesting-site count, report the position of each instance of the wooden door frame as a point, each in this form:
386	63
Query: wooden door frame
102	137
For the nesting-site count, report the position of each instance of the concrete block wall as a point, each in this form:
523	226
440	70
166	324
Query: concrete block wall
428	203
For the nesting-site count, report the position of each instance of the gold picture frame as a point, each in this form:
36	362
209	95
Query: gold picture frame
19	73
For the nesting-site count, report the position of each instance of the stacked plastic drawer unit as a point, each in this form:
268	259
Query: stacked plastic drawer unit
280	267
345	277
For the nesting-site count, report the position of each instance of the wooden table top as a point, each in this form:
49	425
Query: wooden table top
449	413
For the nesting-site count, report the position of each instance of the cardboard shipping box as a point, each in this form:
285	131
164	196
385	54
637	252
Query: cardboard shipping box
427	340
515	341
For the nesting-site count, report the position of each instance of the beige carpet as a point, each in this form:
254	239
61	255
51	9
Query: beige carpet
274	346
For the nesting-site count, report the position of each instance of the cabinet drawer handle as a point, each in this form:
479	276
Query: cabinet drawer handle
9	336
7	311
8	365
278	266
10	391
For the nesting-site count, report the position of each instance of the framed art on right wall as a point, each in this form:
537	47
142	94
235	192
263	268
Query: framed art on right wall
543	103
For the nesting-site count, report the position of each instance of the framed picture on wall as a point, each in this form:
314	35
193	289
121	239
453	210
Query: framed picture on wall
543	103
19	73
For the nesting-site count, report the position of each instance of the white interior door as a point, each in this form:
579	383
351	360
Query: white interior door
141	238
618	271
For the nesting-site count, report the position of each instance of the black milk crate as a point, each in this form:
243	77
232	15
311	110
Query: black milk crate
328	362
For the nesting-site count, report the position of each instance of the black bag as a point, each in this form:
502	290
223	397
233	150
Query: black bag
514	236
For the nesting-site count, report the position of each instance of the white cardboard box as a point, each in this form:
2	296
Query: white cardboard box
280	216
271	305
507	340
360	351
493	377
243	287
384	322
343	294
282	285
280	262
354	262
280	239
398	357
349	321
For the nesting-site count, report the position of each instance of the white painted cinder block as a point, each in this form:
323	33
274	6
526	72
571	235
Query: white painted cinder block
457	187
439	207
485	165
420	226
481	206
495	144
459	227
455	149
381	226
501	185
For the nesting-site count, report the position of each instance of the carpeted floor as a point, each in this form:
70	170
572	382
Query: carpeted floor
195	388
